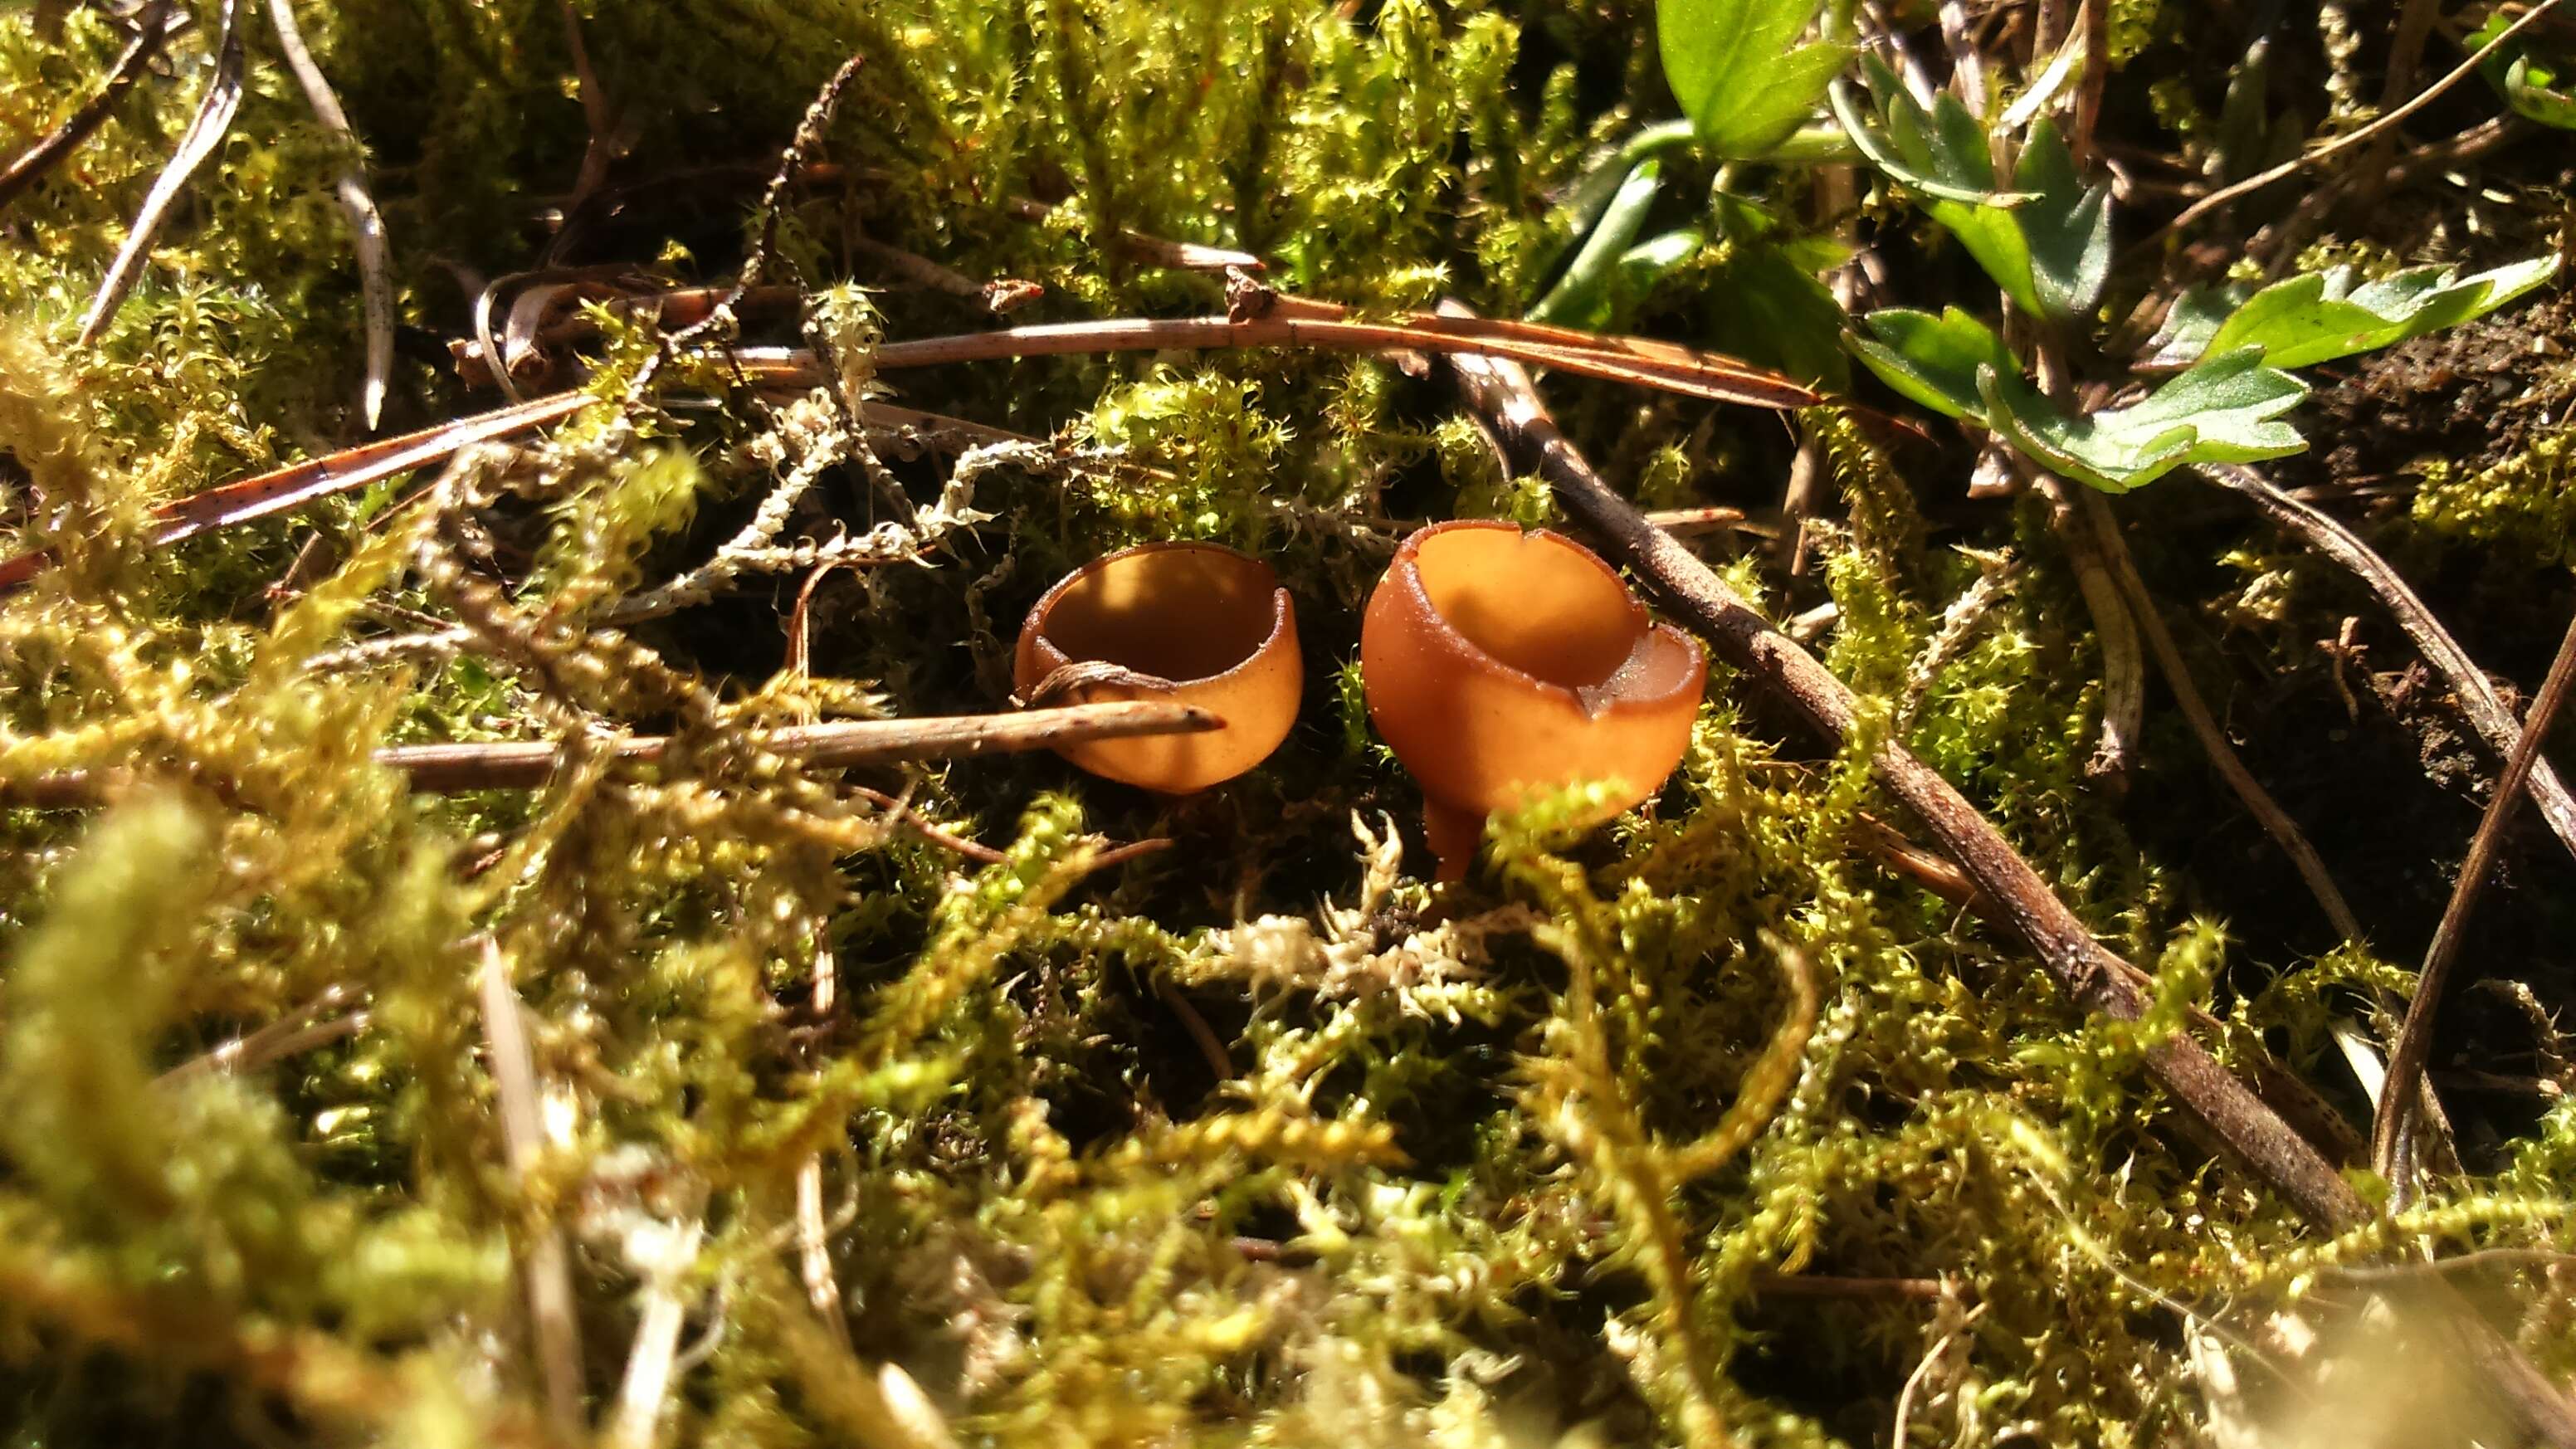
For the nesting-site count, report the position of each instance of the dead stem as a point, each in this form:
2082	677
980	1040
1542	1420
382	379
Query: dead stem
549	1265
2092	975
366	224
152	28
2478	700
646	1384
2388	120
2393	1130
2213	739
2124	663
205	133
298	1030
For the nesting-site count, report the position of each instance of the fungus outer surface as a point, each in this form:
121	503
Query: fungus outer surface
1213	622
1498	662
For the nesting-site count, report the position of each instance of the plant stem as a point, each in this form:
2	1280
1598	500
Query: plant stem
2392	1132
2020	901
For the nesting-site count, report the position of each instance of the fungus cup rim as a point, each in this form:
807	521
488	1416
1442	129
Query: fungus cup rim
1404	571
1282	608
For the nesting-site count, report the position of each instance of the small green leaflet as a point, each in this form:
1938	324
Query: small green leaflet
2317	316
1934	360
2226	410
1580	298
2532	86
1739	73
2046	243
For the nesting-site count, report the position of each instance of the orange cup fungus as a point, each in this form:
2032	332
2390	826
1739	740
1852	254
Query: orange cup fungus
1498	662
1192	623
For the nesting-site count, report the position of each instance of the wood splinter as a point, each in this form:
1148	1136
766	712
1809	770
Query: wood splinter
520	765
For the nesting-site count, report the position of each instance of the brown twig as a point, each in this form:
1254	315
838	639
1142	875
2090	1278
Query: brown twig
2479	702
152	28
549	1267
1638	361
205	132
2349	139
516	765
2392	1131
445	769
2092	975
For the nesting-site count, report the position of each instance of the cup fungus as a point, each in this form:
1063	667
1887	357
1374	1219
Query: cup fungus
1189	622
1497	662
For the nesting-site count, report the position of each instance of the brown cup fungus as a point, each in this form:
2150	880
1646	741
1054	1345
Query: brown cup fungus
1192	623
1498	662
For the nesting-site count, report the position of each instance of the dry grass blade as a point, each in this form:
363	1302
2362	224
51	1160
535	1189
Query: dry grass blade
214	116
2267	811
2021	902
549	1265
366	224
449	768
2392	1132
297	484
152	28
2349	139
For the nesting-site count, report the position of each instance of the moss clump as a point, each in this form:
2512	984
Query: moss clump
722	1082
2524	505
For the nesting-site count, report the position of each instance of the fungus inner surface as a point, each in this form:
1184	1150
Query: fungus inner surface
1182	613
1535	603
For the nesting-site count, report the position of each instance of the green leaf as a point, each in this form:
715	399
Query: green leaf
2066	227
2046	243
1738	71
2528	84
1934	360
1766	307
2194	319
1581	295
2316	316
2226	410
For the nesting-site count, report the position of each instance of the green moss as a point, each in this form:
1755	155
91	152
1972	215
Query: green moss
1258	1138
2525	505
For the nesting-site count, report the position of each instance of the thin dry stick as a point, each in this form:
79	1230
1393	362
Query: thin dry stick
647	1380
549	1266
2405	48
2275	821
152	27
2124	663
445	769
366	224
813	1239
2349	139
2392	1131
205	132
2476	693
296	1031
2021	902
1617	359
